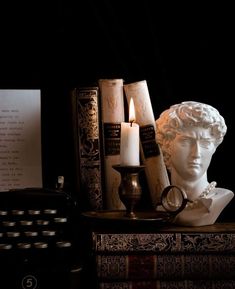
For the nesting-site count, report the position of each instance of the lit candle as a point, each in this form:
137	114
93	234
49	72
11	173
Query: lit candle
129	149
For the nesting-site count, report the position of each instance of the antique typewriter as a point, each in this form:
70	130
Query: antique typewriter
38	248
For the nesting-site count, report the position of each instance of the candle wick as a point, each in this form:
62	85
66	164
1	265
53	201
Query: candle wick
131	122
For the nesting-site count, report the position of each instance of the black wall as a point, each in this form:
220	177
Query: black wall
185	52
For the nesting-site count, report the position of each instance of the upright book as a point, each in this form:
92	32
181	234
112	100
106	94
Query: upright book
88	147
155	169
112	114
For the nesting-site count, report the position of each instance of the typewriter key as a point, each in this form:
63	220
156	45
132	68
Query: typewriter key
40	245
48	233
13	234
60	220
50	211
42	222
9	223
31	233
5	246
63	244
34	212
3	213
17	212
24	245
26	223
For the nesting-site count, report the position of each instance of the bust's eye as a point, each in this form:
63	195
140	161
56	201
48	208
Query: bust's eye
185	140
205	143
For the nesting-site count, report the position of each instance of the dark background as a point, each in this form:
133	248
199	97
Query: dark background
184	51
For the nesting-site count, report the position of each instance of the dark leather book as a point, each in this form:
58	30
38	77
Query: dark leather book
165	266
219	237
87	146
177	284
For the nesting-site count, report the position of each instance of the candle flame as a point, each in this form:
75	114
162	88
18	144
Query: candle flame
131	111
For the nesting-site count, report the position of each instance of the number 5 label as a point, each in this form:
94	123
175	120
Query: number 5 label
29	282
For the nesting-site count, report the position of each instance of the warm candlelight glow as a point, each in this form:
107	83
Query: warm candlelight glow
131	111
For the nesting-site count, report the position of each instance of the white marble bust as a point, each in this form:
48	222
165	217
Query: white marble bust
189	134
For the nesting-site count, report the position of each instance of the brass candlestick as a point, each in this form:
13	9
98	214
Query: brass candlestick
129	189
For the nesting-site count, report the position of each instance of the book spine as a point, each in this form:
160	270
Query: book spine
177	284
155	169
112	114
164	242
165	266
88	145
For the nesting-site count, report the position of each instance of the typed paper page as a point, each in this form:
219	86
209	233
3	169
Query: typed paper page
20	139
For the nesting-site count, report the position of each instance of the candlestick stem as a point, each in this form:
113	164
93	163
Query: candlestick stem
129	189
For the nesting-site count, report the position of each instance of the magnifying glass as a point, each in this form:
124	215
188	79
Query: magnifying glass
173	199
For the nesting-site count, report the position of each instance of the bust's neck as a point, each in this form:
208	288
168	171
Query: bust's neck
193	188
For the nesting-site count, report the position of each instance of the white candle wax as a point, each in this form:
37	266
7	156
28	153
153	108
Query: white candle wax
129	149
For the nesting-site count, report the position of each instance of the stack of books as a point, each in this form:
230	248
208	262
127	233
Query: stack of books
167	257
97	113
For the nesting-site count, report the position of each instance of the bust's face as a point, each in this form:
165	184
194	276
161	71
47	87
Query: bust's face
191	152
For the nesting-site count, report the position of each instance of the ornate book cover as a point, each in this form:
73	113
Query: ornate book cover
112	114
155	170
88	145
219	237
165	266
174	284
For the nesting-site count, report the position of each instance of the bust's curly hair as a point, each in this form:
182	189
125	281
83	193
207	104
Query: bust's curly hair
188	114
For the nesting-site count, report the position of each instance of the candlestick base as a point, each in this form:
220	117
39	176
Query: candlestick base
129	189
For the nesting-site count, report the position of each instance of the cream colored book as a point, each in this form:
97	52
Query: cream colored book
112	114
155	169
